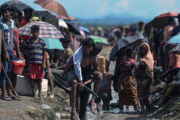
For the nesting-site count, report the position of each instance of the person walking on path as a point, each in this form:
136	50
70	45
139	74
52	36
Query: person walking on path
127	90
144	75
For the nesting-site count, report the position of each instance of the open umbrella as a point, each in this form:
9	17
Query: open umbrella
175	50
46	30
18	4
83	34
49	18
99	39
86	30
62	24
73	27
53	6
174	40
132	41
53	43
161	21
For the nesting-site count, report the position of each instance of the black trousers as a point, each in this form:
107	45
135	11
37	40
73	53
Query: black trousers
83	99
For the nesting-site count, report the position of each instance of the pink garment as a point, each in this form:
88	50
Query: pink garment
172	60
128	62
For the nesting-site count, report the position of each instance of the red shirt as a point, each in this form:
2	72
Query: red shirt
17	36
24	22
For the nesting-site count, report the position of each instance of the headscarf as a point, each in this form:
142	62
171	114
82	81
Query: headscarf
148	59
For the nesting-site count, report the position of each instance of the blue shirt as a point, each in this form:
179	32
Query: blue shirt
8	33
35	50
175	31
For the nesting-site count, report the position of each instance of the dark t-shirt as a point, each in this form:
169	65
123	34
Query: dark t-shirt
175	31
8	34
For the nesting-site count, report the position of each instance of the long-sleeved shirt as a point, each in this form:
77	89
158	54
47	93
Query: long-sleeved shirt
77	59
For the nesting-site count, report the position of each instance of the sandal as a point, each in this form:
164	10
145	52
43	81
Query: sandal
74	117
5	97
92	107
15	98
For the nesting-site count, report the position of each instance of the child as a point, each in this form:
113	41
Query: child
86	64
104	68
37	58
109	77
49	76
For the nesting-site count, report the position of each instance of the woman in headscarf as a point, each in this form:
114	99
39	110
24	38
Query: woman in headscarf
144	75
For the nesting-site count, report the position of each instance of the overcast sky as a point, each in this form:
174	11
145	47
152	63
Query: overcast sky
99	8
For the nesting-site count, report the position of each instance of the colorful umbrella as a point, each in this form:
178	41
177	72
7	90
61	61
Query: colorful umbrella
86	30
62	24
53	43
99	39
53	6
46	30
49	18
18	4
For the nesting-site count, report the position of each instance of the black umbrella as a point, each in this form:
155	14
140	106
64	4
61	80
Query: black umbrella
18	4
49	18
131	41
73	27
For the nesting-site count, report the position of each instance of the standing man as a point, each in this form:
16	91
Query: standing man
140	31
28	15
8	38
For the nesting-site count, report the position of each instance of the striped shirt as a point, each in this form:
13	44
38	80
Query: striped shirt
35	50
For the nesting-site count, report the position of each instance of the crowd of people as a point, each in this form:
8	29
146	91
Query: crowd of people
133	80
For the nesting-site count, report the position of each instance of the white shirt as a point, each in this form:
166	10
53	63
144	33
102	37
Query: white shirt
139	34
77	59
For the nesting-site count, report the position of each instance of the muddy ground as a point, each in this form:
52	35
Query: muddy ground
29	108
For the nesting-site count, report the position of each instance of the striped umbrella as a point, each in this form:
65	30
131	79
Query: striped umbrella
46	30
